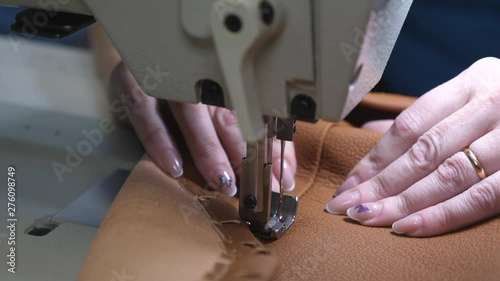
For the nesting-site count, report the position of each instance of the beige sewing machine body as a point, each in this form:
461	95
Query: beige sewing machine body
272	61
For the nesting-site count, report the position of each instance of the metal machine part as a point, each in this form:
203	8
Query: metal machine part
269	214
292	60
313	59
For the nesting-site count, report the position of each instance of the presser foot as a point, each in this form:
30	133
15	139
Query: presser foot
278	225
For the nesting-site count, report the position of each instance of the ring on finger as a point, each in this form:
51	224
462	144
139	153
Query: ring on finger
475	163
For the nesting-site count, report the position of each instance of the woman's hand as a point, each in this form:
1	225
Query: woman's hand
417	178
212	135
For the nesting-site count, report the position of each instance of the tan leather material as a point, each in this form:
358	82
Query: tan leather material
387	102
321	246
145	231
159	228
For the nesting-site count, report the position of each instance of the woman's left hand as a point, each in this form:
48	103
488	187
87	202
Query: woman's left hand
417	178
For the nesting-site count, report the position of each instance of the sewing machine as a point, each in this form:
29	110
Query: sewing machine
272	61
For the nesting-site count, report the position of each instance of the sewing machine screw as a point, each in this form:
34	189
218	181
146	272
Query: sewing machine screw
233	23
266	12
250	201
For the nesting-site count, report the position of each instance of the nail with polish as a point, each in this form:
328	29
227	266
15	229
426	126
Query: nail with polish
172	163
341	203
226	183
364	212
349	183
407	225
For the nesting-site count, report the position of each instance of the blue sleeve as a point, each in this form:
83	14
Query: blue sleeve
440	39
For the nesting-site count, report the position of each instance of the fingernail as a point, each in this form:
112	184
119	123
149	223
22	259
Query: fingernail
407	225
225	183
364	212
288	176
172	163
227	117
341	203
348	184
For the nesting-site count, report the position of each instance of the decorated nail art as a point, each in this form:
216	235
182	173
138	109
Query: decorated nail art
361	209
225	181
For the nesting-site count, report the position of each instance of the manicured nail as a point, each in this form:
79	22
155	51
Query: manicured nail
407	225
348	184
172	163
227	117
225	183
364	212
341	203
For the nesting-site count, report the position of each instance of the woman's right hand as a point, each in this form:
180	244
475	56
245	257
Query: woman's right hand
212	135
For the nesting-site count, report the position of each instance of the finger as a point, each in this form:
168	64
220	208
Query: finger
426	112
289	165
229	133
451	178
144	116
209	156
378	125
443	140
477	203
275	186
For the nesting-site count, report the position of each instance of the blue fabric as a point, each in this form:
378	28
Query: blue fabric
440	39
8	15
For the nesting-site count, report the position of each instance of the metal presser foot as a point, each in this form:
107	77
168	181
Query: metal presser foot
269	214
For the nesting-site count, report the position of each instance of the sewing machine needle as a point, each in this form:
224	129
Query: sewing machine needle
280	210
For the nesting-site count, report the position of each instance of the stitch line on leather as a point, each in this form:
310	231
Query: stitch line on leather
221	233
235	253
206	197
319	159
209	212
228	222
183	183
231	252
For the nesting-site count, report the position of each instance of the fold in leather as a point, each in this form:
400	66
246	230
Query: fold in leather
158	229
322	246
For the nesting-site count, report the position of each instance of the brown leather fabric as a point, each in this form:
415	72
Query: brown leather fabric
159	228
376	106
387	102
322	246
146	234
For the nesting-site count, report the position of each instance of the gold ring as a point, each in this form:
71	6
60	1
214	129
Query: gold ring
475	163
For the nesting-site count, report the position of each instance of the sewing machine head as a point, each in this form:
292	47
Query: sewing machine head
272	61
